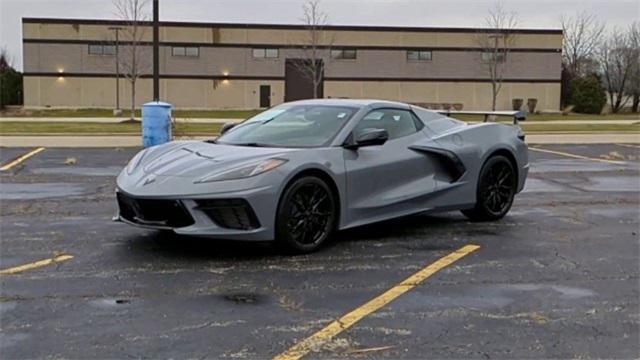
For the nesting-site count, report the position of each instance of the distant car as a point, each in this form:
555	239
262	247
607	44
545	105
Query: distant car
301	170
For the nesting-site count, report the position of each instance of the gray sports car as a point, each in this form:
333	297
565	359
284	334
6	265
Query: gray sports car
298	171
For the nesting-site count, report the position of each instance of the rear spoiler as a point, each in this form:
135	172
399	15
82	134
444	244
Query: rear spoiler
517	115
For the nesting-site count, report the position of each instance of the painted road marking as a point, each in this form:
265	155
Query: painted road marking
21	159
36	264
576	156
336	327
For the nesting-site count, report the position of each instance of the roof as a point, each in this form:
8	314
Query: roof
350	102
32	20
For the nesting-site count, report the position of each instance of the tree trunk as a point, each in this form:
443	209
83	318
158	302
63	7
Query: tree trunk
636	103
494	99
133	100
615	108
315	88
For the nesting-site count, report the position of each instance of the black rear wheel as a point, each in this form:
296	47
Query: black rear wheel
306	215
496	190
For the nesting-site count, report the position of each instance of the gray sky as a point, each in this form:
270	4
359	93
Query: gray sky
455	13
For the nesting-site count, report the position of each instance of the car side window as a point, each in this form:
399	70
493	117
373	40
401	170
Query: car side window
397	122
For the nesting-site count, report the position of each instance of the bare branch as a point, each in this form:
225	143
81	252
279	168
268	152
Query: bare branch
617	58
495	43
583	35
317	44
134	58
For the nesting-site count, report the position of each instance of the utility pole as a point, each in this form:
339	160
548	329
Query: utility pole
117	30
156	51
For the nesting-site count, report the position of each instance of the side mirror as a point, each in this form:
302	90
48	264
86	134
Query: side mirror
227	126
369	137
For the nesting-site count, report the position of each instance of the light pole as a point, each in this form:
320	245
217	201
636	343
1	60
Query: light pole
117	30
156	51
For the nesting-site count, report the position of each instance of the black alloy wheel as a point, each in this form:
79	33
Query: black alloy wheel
306	215
496	190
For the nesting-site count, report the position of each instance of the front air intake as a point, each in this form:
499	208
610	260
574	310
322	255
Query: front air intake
229	213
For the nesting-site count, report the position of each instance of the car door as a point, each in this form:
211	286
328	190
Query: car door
388	180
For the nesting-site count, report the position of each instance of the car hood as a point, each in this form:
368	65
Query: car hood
196	158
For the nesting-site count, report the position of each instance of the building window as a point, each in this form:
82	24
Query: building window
102	49
419	55
190	51
268	53
488	56
343	54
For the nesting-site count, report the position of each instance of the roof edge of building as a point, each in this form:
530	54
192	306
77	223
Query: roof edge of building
78	21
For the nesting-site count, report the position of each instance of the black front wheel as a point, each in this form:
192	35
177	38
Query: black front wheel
306	215
496	189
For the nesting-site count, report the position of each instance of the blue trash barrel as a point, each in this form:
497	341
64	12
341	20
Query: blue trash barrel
156	123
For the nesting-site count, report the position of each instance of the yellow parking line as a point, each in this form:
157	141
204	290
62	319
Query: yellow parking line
36	264
576	156
21	159
323	336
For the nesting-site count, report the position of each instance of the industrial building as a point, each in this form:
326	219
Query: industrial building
71	63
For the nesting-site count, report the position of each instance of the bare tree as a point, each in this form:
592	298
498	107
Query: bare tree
582	36
316	43
496	42
616	59
633	87
134	59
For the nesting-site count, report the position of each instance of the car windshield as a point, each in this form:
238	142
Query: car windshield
290	126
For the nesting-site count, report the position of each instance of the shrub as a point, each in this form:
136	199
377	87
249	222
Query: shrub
10	84
588	95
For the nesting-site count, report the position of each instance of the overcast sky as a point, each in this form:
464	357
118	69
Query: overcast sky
455	13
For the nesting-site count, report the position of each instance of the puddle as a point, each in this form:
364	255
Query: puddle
39	190
109	303
536	185
618	213
566	292
75	170
495	296
613	183
573	165
247	298
8	340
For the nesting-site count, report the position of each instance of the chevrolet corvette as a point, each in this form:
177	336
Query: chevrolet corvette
299	171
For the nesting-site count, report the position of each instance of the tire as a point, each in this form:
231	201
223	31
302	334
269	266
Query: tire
495	191
307	215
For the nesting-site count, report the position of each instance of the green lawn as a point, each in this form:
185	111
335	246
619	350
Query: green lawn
183	129
16	127
243	114
69	113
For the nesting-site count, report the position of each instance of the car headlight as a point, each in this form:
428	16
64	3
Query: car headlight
244	171
133	164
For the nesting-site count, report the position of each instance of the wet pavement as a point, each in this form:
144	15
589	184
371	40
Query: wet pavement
557	278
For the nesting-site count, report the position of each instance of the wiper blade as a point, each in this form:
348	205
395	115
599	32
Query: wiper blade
252	144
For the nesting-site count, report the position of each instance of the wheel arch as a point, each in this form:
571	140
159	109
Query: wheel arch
509	155
324	176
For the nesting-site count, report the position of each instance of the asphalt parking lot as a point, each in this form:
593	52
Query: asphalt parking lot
557	278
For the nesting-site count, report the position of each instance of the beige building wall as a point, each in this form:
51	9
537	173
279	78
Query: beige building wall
473	95
75	58
211	34
381	69
98	92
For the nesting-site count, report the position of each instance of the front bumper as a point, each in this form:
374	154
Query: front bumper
239	215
